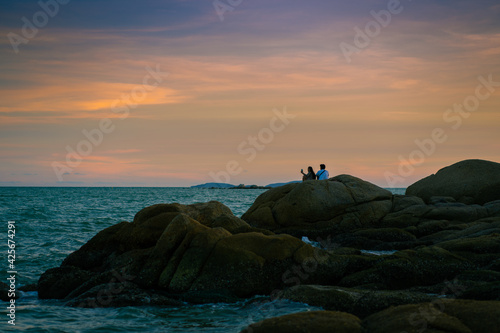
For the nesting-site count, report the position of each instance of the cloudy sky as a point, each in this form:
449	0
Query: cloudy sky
182	92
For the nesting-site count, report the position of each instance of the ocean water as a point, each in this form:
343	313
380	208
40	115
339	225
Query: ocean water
50	223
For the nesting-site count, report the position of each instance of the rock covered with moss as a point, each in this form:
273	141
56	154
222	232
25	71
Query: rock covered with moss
313	208
443	247
180	249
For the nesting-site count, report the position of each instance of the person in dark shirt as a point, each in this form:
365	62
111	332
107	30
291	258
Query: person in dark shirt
310	174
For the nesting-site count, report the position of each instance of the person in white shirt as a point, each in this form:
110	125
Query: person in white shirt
322	173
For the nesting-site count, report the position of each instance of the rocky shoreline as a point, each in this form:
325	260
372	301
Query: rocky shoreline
443	276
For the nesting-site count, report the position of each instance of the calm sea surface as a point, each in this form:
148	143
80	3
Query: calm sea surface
53	222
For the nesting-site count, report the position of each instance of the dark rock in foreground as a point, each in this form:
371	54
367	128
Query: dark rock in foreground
203	248
313	321
437	316
119	294
359	302
181	249
453	316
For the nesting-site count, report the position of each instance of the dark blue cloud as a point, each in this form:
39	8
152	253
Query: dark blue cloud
98	14
185	17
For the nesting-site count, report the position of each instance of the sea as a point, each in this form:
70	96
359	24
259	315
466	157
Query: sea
52	222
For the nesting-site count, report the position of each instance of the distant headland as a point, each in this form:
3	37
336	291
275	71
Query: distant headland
241	186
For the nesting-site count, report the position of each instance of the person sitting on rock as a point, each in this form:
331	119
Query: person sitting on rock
310	174
323	173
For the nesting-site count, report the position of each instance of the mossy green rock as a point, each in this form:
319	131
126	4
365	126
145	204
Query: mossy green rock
451	316
179	249
248	264
313	208
408	268
359	302
439	316
309	322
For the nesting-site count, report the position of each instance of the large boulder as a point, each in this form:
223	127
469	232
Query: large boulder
203	253
354	213
315	208
457	316
440	315
181	249
313	321
469	181
149	224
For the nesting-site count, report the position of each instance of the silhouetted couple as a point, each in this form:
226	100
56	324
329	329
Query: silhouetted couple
322	173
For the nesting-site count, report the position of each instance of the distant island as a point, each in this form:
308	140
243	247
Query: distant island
249	187
214	185
241	186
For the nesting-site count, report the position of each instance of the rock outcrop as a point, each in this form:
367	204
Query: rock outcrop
313	321
180	249
408	268
359	302
442	252
469	181
456	316
437	316
315	208
353	213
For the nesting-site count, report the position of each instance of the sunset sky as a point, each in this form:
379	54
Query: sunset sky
178	93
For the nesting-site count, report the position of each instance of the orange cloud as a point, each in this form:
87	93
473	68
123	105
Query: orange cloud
84	96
